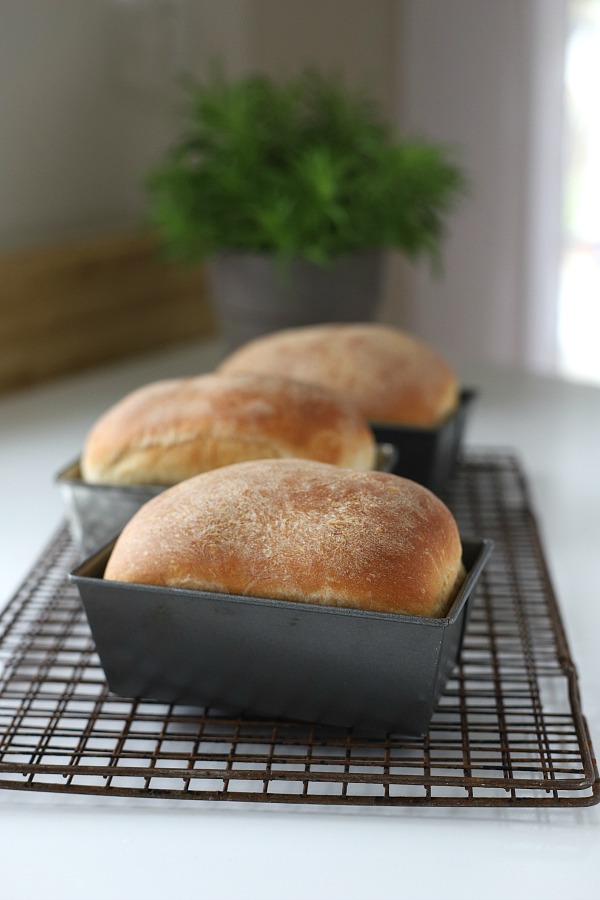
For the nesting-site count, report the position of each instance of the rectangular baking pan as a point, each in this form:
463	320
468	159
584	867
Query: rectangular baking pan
378	672
428	455
97	512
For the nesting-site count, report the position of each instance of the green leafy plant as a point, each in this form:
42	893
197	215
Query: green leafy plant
304	169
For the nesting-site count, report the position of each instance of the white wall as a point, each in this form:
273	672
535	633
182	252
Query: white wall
87	105
486	77
87	96
65	138
355	38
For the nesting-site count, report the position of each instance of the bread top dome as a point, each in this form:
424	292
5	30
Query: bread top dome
391	376
170	430
298	530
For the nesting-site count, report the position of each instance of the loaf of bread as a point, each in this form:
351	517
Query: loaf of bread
171	430
298	530
391	376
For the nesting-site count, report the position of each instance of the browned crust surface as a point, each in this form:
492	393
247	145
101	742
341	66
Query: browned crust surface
296	530
170	430
390	375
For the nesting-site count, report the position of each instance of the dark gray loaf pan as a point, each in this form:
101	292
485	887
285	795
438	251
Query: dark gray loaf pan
428	455
378	672
97	512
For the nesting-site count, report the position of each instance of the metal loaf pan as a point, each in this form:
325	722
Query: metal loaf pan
428	455
378	672
97	512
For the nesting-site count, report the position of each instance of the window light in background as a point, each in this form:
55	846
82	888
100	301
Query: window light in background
579	298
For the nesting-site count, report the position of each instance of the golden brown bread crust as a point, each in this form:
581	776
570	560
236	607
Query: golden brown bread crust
298	530
171	430
390	375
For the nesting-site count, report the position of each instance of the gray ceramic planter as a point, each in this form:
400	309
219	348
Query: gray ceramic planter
252	295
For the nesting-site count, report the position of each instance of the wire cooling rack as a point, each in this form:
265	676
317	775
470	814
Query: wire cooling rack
509	730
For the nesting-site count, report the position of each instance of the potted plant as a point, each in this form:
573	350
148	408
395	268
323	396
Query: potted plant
290	193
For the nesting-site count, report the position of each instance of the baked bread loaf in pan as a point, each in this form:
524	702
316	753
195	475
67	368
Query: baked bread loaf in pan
298	530
390	375
171	430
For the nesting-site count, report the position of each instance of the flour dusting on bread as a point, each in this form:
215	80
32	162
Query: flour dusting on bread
170	430
298	530
390	375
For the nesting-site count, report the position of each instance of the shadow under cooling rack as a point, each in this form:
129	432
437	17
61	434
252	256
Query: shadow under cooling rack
508	731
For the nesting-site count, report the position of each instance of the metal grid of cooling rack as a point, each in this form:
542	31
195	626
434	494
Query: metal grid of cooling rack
509	730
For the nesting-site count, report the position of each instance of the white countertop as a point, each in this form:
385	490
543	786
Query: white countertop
88	848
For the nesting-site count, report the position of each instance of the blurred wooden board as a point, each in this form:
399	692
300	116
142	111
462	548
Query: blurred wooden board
68	307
